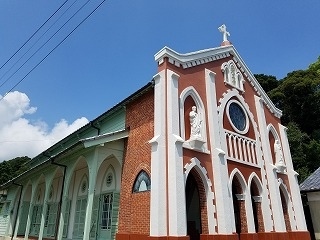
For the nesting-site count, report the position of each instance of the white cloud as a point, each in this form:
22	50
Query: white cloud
19	137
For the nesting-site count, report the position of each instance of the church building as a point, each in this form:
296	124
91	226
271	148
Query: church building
198	153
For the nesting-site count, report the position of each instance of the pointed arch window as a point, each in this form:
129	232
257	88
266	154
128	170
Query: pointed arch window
142	182
232	75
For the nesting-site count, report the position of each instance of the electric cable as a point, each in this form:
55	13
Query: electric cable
93	11
45	43
33	34
32	45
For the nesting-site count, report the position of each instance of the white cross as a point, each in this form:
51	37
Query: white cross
226	34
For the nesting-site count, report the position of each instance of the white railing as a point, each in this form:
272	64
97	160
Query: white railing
241	149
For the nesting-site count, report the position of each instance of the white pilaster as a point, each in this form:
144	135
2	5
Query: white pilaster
18	213
34	187
249	212
274	194
92	166
176	183
158	198
65	199
293	181
219	164
48	180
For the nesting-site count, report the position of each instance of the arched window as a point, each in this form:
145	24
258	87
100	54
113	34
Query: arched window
232	75
142	182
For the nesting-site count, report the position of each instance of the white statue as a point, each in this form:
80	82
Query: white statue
223	30
279	156
195	123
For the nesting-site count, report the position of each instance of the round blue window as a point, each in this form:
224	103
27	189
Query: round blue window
237	116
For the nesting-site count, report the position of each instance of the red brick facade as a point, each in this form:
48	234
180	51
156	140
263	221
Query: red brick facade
134	211
248	158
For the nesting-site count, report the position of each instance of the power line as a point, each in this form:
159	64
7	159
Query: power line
95	9
32	45
45	43
33	34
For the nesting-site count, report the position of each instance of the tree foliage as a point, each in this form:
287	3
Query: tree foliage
13	168
298	96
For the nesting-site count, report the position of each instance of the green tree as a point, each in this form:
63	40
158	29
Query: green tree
13	168
267	82
298	96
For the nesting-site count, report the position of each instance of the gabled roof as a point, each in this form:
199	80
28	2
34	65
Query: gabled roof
74	137
312	183
212	54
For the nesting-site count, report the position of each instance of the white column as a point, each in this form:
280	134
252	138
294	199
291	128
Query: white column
48	180
92	167
273	186
158	198
293	182
176	183
18	211
65	200
26	235
225	216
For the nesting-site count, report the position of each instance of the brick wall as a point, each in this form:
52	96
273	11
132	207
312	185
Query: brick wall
134	213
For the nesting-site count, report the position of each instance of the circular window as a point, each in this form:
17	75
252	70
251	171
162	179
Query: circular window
109	179
237	117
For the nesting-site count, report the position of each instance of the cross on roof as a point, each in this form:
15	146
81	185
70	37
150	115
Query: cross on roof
223	30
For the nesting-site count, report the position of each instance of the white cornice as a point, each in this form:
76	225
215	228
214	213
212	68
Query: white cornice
208	55
192	59
104	138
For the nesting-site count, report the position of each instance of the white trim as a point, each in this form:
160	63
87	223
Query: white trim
193	58
218	158
293	182
158	200
230	120
226	69
104	138
269	176
192	92
244	196
196	164
176	187
208	55
222	108
262	198
289	204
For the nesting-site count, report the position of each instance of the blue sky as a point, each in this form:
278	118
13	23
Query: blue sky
111	55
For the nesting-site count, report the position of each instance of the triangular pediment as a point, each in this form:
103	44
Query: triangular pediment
197	58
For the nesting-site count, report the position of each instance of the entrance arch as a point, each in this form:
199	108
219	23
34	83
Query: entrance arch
194	228
239	208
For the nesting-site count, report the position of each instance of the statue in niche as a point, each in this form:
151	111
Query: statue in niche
279	155
195	123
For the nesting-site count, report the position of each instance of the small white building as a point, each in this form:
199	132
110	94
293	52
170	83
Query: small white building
311	187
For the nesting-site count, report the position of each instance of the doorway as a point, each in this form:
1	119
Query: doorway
193	208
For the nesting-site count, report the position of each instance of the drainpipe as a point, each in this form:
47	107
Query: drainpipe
61	196
15	221
92	125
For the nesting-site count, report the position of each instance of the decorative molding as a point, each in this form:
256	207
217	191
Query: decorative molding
241	197
232	75
211	207
212	54
257	198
